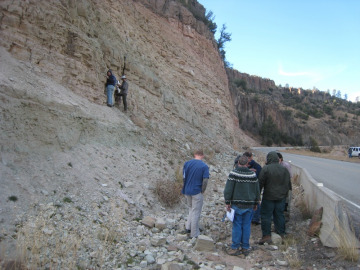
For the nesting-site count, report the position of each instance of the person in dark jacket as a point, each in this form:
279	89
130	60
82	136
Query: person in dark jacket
275	180
288	198
123	92
255	167
242	194
110	87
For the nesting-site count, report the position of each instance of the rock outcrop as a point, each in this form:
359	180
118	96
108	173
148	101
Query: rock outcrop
296	114
60	143
173	67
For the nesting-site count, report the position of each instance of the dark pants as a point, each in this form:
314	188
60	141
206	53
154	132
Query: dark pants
256	216
273	209
118	97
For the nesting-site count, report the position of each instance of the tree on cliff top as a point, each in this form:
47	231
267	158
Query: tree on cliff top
210	17
223	38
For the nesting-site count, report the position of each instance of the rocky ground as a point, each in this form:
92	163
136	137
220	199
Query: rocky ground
120	231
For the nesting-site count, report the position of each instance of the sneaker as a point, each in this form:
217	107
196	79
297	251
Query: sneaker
265	239
234	252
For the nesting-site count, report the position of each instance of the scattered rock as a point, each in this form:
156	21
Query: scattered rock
282	263
276	239
160	224
148	221
204	243
158	240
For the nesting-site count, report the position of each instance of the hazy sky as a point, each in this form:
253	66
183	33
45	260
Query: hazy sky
303	43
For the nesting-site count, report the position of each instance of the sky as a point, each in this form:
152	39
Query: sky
302	43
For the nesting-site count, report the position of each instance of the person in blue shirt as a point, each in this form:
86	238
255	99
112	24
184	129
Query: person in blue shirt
195	177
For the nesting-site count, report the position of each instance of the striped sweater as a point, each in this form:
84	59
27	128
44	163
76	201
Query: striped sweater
242	188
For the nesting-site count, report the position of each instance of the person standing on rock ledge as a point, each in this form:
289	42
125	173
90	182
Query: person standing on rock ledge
195	177
275	180
123	92
242	194
109	87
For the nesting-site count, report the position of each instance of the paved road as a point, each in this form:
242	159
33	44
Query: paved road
341	177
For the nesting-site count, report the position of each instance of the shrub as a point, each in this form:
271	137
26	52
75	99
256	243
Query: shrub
314	147
67	200
168	192
240	83
302	115
287	114
13	198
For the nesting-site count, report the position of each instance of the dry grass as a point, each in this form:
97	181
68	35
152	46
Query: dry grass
287	242
346	242
293	259
296	180
179	175
44	242
304	208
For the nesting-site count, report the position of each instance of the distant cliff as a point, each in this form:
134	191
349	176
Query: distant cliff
279	115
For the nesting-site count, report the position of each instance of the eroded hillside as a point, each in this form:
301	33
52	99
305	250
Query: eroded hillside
60	142
175	73
282	115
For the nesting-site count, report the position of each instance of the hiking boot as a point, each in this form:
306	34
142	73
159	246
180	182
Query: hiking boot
246	252
265	239
256	222
185	232
234	252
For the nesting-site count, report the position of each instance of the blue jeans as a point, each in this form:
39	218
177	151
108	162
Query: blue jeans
256	216
241	227
273	209
110	94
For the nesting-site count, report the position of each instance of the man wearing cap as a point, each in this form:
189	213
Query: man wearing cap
123	92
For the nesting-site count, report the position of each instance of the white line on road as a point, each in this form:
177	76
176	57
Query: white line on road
354	204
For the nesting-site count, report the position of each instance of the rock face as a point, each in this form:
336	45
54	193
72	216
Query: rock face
173	67
60	145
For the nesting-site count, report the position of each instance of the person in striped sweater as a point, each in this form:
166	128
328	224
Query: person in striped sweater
241	193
